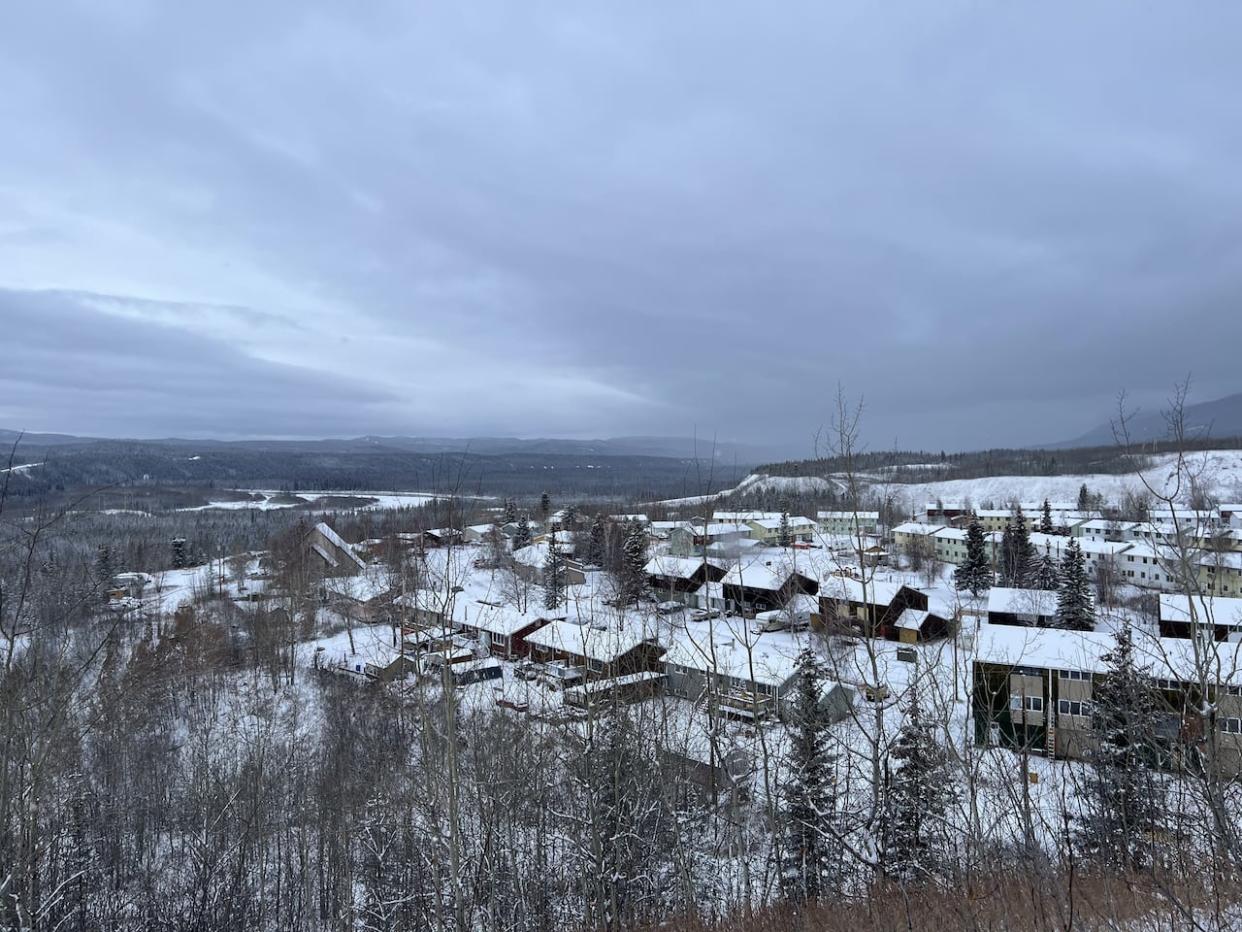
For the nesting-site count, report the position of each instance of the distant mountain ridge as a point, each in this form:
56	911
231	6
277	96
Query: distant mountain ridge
1220	418
673	447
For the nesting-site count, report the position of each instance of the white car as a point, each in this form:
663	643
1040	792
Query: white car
704	614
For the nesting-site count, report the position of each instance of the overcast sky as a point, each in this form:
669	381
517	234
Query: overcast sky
311	219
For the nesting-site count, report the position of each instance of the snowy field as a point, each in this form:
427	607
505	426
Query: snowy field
379	500
1221	472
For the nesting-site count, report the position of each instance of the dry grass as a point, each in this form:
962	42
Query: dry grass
1011	902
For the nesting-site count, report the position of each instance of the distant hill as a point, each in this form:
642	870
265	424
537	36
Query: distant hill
616	470
673	447
1219	419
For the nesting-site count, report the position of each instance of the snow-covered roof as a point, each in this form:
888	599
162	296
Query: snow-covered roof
744	515
912	619
1059	649
1104	524
673	567
495	619
916	527
482	529
363	587
727	546
848	589
774	524
1022	601
327	533
730	648
760	573
640	518
714	529
536	555
848	515
604	643
1058	544
1221	611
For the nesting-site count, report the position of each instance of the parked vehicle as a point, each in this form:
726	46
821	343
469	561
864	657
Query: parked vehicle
704	614
527	670
670	608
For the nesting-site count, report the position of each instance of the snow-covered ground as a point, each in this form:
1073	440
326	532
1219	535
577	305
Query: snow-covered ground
20	469
378	500
1220	472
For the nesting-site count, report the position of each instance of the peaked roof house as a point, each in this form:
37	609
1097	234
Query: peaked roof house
338	558
763	583
880	608
1024	607
768	530
604	650
1180	616
676	578
500	629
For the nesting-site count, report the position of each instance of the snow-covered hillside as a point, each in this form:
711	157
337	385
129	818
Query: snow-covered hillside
1220	472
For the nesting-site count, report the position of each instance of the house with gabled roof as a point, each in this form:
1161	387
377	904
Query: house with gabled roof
602	649
337	557
873	607
763	582
675	579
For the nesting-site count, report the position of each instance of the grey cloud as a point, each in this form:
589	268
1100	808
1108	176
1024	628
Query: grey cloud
645	219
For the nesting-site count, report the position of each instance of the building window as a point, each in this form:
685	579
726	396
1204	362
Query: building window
1231	726
1073	707
1073	675
1032	703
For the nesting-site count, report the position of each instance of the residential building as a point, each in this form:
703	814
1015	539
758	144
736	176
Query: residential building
873	608
768	530
676	579
1033	690
1181	615
848	523
602	650
764	583
337	558
1021	607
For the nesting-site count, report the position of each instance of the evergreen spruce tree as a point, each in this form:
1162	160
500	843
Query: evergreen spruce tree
553	577
914	825
523	537
1123	801
1017	552
1084	498
1047	575
510	513
1075	610
634	573
103	565
597	545
975	574
545	506
807	848
180	553
1045	521
784	538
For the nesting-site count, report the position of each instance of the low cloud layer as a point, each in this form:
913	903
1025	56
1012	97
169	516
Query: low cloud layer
305	219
